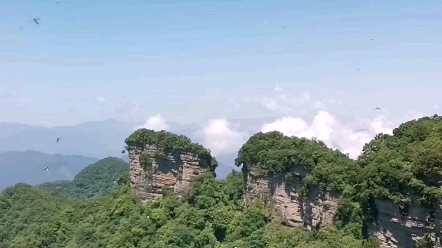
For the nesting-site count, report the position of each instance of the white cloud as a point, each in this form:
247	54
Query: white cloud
347	137
100	100
117	107
221	137
284	103
156	122
271	104
436	106
277	89
327	128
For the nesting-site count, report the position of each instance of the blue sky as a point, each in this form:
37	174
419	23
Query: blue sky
189	60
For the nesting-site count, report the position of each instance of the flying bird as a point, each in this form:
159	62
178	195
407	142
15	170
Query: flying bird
376	109
58	139
36	20
46	169
123	151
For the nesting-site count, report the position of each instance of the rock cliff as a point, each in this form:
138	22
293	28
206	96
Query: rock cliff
392	192
394	229
401	182
293	174
160	160
311	211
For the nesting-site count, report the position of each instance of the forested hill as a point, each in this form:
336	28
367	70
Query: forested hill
212	214
96	180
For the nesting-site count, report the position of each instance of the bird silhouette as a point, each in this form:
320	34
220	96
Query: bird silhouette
36	20
376	109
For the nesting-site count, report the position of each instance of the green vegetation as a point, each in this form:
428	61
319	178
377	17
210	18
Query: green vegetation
146	162
96	180
210	215
168	142
398	167
409	161
276	153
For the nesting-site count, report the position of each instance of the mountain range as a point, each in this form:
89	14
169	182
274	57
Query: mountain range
27	167
26	149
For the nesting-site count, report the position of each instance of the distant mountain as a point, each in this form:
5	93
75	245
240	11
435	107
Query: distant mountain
96	180
98	139
27	167
93	139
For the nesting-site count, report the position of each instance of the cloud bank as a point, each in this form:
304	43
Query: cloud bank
327	128
225	138
156	123
222	138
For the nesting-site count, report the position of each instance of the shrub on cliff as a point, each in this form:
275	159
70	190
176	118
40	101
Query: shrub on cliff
405	163
273	152
168	141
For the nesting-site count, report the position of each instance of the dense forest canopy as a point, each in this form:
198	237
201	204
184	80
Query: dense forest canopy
275	153
168	141
409	162
211	214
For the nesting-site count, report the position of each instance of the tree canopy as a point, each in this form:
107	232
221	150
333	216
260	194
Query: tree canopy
275	153
210	215
403	164
168	141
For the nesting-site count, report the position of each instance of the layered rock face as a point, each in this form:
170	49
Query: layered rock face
172	169
393	229
316	209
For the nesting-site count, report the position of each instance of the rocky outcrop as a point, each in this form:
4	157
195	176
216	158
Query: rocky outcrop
169	169
316	209
391	227
394	229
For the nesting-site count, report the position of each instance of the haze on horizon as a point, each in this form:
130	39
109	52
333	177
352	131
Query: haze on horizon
317	68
